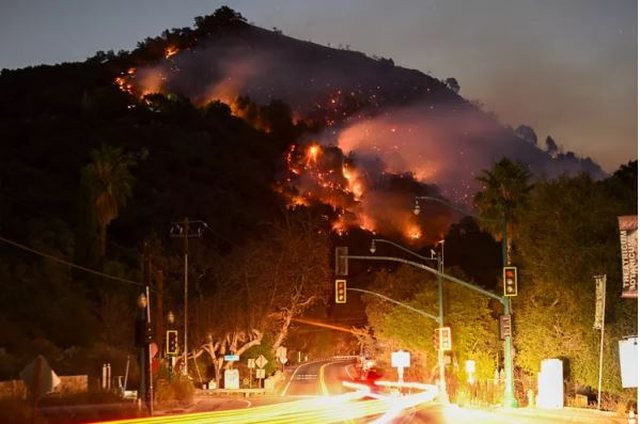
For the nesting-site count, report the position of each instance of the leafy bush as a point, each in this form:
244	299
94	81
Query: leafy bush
177	392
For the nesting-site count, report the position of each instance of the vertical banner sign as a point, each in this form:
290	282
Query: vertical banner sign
628	226
600	288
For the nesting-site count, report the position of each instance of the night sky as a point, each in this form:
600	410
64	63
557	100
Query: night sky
567	68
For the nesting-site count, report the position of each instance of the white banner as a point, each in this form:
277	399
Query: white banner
601	287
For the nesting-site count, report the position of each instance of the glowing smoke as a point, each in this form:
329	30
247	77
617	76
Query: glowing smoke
386	127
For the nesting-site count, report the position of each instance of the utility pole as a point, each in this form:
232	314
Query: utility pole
185	230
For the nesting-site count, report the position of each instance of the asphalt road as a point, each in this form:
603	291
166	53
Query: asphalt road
314	394
320	378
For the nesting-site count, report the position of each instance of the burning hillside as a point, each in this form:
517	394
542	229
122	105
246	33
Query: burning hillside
387	131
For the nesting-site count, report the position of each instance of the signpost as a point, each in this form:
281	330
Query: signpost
400	360
601	292
281	354
261	361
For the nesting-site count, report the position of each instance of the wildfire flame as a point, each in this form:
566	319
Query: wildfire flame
170	51
321	174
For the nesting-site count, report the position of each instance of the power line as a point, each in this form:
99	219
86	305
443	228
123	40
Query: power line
71	264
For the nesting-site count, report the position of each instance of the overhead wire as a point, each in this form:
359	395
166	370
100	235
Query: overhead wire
70	264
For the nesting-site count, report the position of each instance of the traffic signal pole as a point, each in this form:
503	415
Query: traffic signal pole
509	396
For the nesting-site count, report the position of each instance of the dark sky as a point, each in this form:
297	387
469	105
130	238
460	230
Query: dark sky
565	67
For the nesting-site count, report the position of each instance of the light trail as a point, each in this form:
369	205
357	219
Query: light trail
319	410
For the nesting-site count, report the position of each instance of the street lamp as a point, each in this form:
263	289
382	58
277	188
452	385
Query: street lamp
509	398
442	383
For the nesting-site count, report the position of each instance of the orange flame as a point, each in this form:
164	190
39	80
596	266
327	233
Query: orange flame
170	51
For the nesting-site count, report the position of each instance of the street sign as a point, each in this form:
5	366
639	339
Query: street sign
505	326
231	358
400	358
261	362
260	373
281	353
231	379
251	363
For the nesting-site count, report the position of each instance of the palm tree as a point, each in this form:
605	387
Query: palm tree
504	188
111	183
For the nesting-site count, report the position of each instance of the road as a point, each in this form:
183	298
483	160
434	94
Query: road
320	378
314	393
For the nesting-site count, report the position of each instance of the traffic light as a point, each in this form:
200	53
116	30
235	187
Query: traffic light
143	333
342	261
510	280
341	291
172	342
445	338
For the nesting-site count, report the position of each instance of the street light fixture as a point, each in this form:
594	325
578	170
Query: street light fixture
509	397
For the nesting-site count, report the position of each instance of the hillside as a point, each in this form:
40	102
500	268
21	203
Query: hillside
234	125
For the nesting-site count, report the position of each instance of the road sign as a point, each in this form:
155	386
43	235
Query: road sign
261	362
505	326
260	374
231	379
231	358
281	354
39	377
400	358
251	363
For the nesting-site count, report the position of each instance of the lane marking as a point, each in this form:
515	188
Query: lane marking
294	374
323	385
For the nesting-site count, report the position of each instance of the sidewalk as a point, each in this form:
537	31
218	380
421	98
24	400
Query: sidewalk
569	415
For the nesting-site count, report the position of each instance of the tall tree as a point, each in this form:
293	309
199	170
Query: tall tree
567	235
110	181
505	187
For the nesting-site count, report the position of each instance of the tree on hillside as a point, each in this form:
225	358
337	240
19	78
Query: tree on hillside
111	182
505	187
453	85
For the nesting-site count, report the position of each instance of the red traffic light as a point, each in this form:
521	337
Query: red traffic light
341	291
510	281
